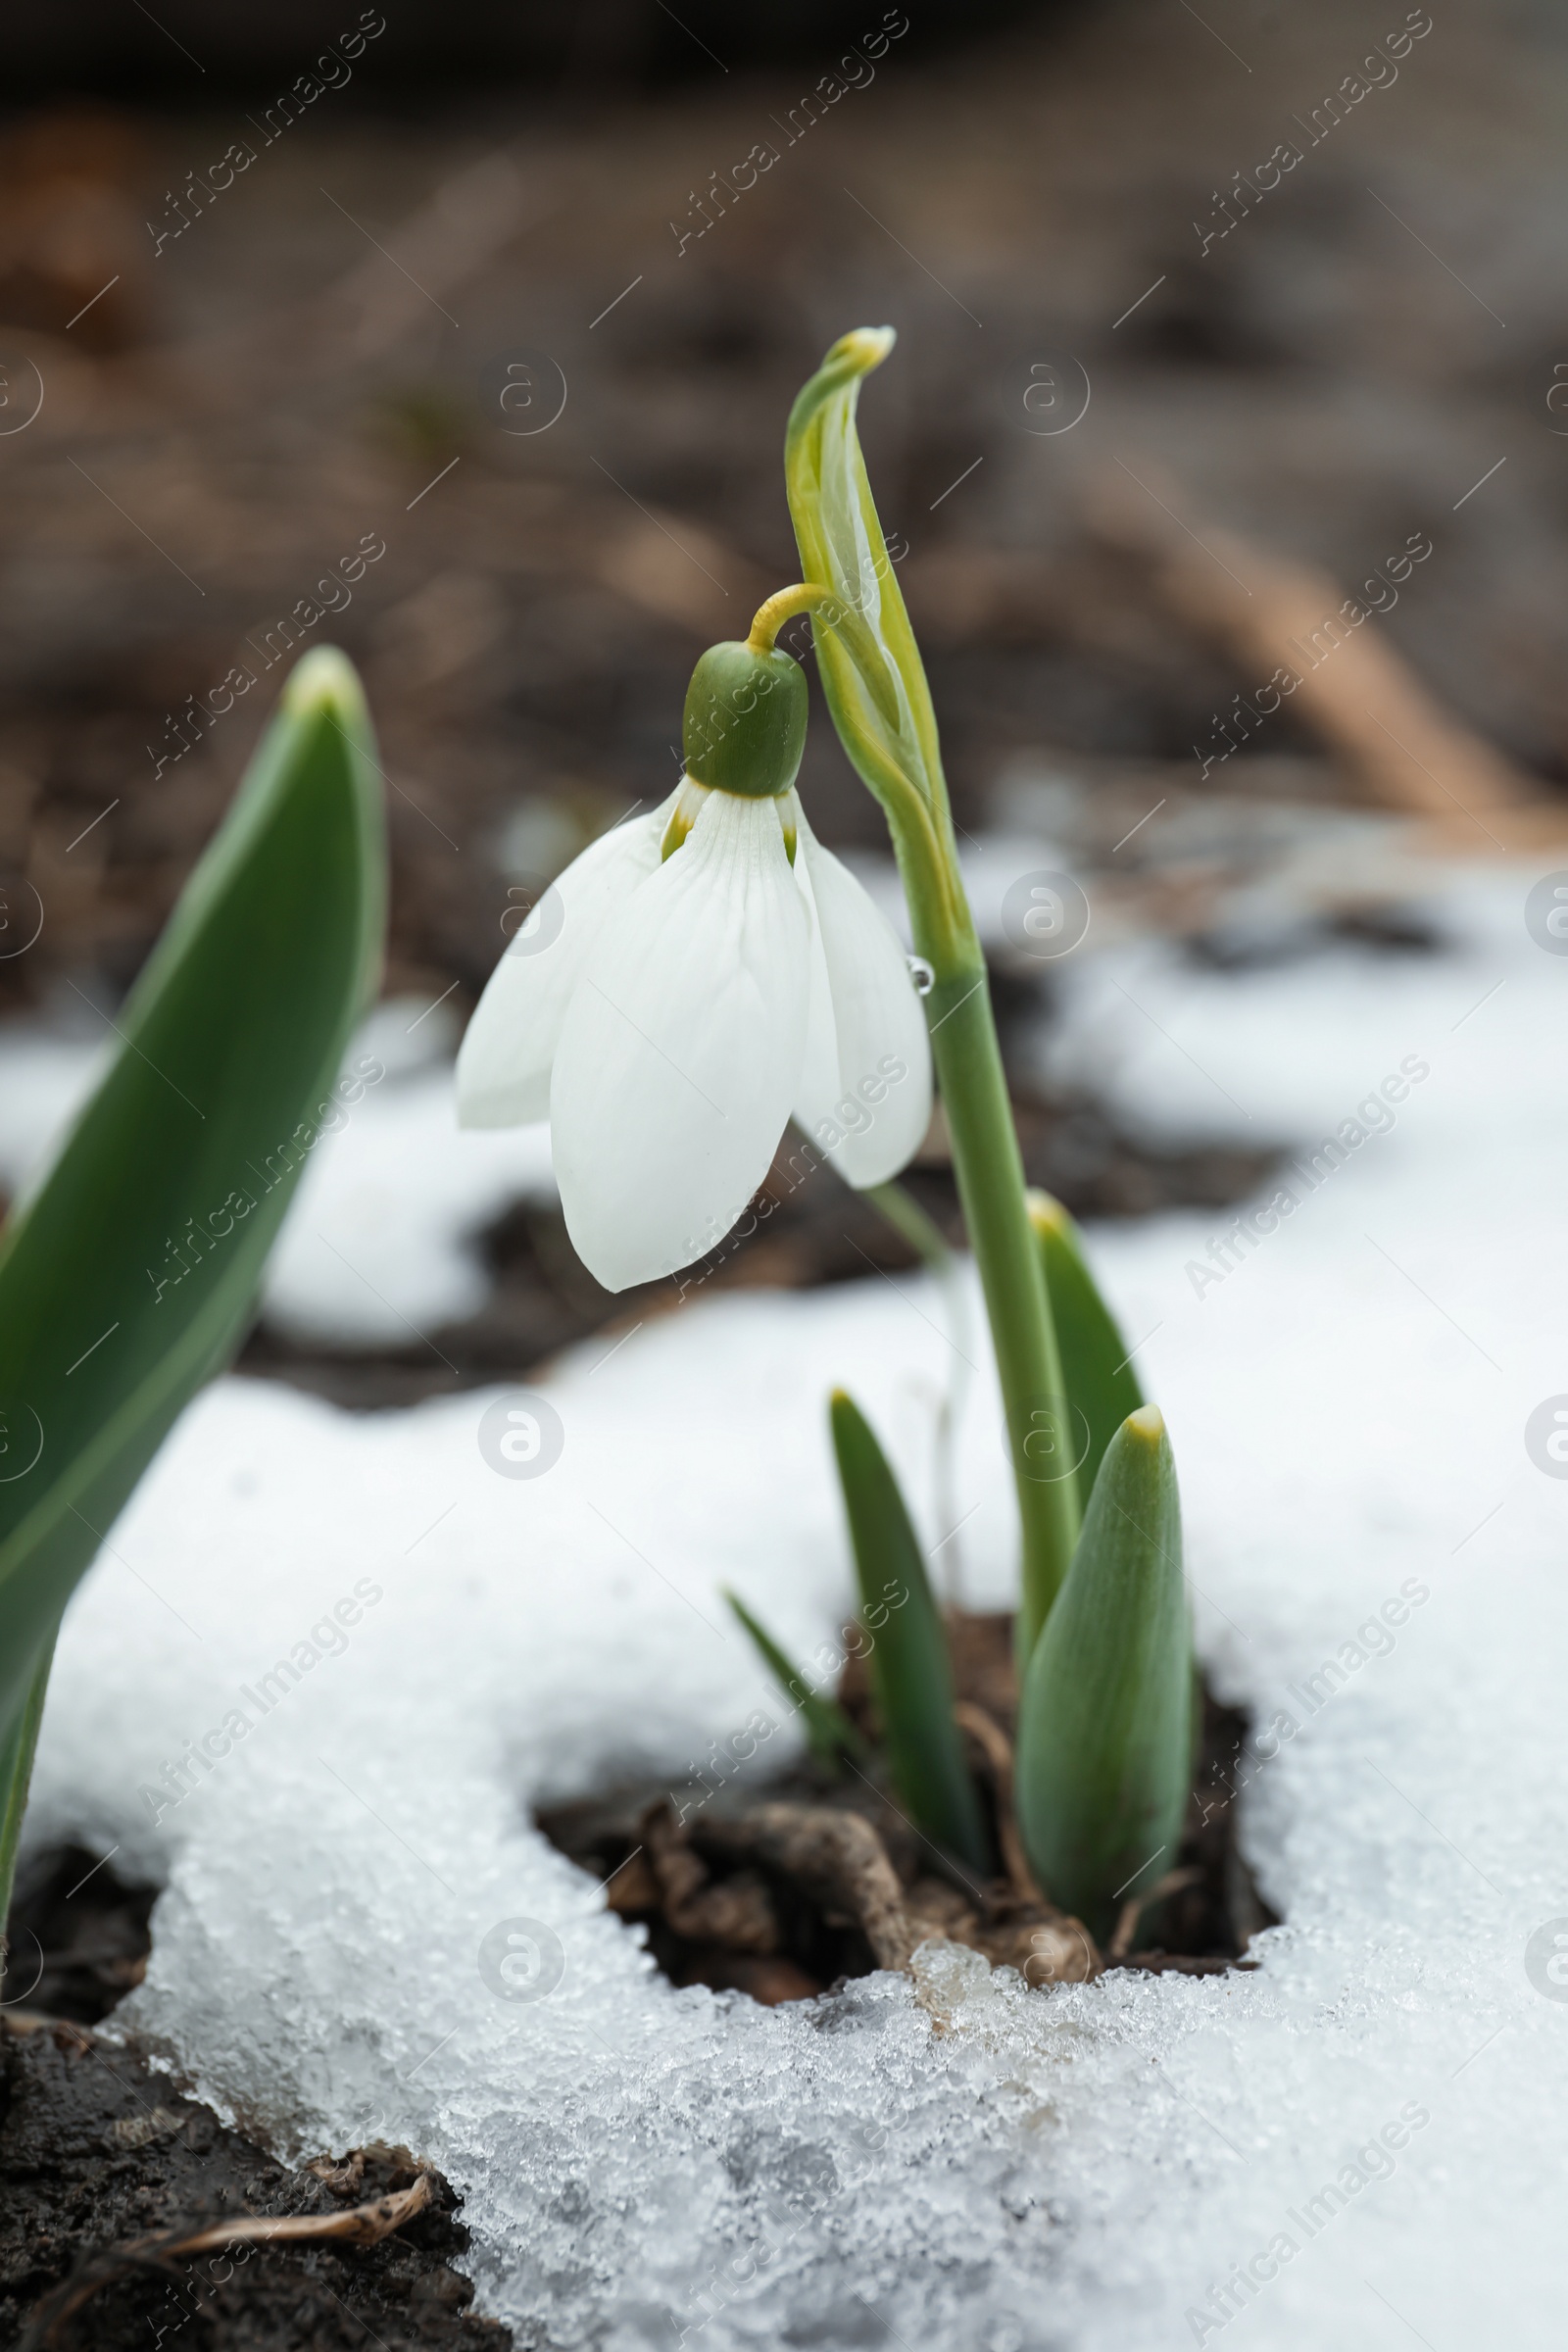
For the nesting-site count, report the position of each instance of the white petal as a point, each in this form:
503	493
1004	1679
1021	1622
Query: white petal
504	1064
681	1050
865	1097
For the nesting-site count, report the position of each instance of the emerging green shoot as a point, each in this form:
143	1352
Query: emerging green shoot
876	690
130	1274
1104	1727
912	1677
1102	1387
829	1733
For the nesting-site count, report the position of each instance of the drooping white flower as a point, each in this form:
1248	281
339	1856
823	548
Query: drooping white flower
668	1009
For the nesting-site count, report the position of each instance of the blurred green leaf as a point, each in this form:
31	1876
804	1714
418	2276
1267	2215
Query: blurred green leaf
16	1772
911	1676
1104	1727
130	1274
1095	1369
829	1733
903	1211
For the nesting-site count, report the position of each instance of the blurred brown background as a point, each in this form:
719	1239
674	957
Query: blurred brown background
311	358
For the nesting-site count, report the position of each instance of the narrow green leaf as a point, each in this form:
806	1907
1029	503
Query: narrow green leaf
911	1676
131	1275
1104	1728
15	1773
829	1733
1097	1370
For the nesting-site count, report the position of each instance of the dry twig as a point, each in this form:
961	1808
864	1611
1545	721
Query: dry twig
358	2225
1354	688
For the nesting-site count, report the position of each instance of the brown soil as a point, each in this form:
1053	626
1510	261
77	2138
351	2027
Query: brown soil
104	2168
782	1890
101	2163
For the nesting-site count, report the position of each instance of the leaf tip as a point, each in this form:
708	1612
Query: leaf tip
1148	1423
842	1419
866	347
325	680
1047	1214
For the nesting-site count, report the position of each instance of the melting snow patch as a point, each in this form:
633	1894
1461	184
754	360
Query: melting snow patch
325	1665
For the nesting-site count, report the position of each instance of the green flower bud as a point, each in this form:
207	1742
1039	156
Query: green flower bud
744	725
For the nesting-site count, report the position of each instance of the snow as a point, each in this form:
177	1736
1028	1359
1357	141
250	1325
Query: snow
955	2163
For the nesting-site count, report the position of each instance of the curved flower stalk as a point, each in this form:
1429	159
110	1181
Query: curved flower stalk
694	980
1103	1633
876	690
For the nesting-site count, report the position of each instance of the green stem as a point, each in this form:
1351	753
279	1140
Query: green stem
876	691
15	1773
989	1168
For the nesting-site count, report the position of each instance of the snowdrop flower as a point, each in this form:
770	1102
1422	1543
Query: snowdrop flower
691	982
